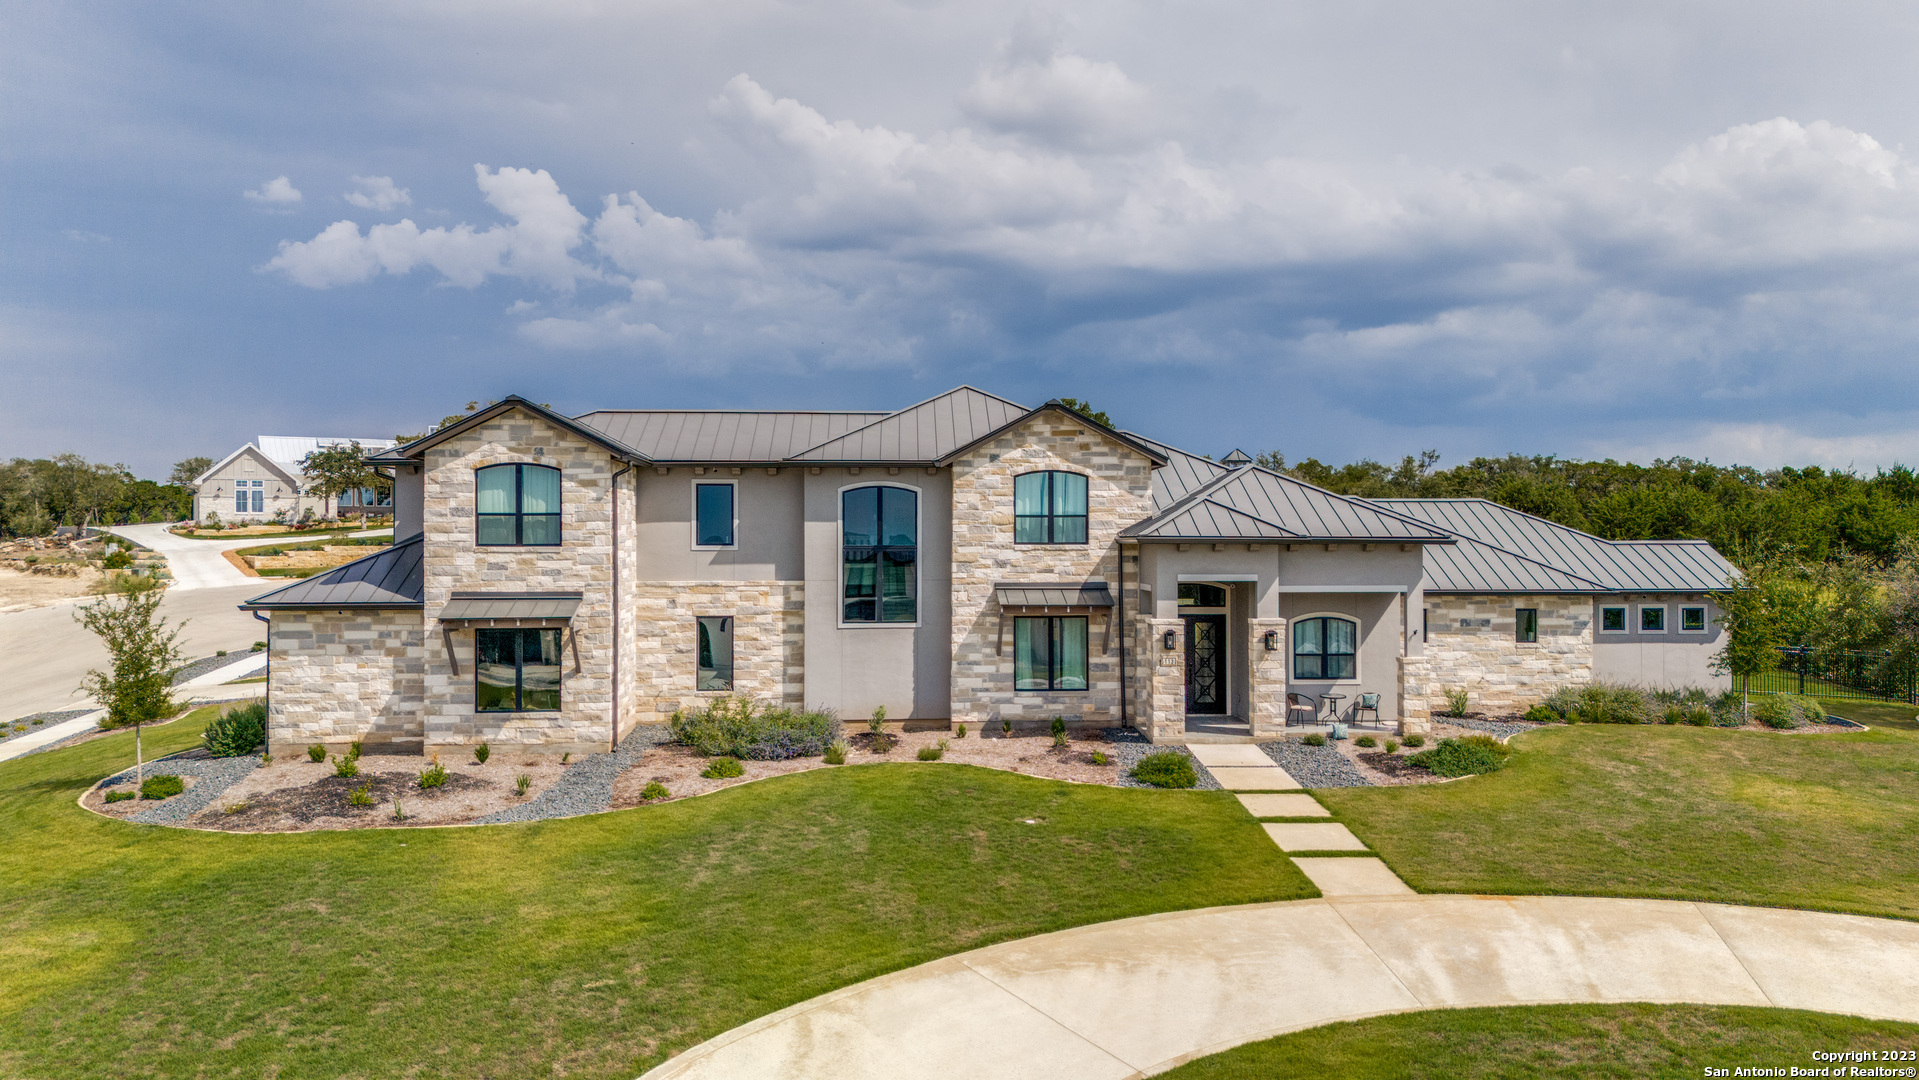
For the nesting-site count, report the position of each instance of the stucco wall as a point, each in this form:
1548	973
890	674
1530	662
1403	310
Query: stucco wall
1119	493
769	534
1672	659
1378	658
337	678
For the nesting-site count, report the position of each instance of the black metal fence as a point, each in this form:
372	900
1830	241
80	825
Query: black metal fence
1831	673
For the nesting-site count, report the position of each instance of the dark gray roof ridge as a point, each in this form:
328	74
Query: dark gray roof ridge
606	442
907	409
1440	535
390	577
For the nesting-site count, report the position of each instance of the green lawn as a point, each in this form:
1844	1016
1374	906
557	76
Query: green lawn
1817	821
591	947
1587	1042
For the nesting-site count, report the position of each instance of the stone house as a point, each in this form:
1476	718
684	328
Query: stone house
559	580
263	478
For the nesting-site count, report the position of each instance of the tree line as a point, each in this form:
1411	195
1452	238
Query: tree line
39	494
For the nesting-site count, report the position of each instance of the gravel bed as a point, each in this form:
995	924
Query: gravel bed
1315	766
1494	728
47	719
1129	746
214	776
586	787
207	663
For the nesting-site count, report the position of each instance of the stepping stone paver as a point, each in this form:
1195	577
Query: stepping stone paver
1242	778
1236	754
1283	806
1352	877
1313	836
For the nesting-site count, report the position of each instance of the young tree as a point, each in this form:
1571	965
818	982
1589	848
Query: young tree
185	472
144	653
332	470
1753	632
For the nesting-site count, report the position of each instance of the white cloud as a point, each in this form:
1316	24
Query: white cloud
1065	100
377	193
277	192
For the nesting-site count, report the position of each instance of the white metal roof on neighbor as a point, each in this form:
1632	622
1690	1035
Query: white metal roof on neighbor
713	435
1613	565
288	450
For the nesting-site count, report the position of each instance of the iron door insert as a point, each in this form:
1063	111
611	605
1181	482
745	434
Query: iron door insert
1205	665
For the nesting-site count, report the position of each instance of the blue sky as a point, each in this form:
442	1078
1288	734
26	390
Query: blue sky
1331	230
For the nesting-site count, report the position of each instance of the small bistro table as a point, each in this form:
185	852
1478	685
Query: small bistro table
1333	701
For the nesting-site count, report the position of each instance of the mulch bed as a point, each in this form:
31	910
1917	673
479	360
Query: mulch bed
327	798
1394	765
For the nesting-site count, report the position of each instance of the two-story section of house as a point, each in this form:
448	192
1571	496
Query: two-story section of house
557	581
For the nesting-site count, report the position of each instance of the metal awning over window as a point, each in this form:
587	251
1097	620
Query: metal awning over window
1090	598
512	610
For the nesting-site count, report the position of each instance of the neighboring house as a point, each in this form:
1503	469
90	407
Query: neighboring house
263	478
559	580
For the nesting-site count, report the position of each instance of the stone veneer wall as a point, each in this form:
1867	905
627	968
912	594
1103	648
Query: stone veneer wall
769	636
337	678
1119	493
1268	682
1470	643
581	563
1159	680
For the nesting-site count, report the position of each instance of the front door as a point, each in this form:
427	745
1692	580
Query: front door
1205	665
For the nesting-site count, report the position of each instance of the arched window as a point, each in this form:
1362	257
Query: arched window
1325	647
517	505
1049	508
879	531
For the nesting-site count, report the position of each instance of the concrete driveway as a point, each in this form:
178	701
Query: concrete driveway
1137	997
195	564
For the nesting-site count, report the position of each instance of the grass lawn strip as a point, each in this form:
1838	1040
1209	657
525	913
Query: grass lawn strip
591	946
1827	822
1586	1042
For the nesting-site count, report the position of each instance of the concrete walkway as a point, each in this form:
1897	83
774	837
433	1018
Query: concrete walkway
208	687
1137	997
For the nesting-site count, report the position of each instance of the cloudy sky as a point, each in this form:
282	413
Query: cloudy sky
1332	229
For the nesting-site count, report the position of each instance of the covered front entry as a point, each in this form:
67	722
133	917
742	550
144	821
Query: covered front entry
1205	665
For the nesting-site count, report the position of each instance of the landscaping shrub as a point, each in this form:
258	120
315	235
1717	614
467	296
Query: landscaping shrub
237	731
360	796
877	723
836	753
1456	701
346	766
1540	714
1467	756
653	790
119	796
743	728
1367	741
433	776
931	753
353	750
1100	758
316	753
1059	728
1392	746
1059	740
399	812
521	783
960	733
1603	703
482	752
1167	769
164	786
1415	740
722	768
1315	739
1786	711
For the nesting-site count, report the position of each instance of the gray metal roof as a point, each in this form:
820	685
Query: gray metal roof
715	435
390	577
1251	503
413	450
477	607
1052	594
1612	565
925	432
1182	475
1473	567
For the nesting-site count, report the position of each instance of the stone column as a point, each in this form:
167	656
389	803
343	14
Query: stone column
1166	716
1266	694
1415	695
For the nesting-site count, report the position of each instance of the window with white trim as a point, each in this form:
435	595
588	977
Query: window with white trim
715	514
1326	647
1652	618
1612	620
1692	619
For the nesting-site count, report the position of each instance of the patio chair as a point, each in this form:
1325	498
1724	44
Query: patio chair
1367	703
1301	703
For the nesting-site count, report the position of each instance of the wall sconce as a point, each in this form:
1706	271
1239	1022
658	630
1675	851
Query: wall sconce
1170	642
1272	641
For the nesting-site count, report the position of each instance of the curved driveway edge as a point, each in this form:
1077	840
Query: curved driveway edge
1140	996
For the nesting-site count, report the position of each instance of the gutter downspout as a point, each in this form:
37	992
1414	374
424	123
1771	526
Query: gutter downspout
1123	696
616	605
268	696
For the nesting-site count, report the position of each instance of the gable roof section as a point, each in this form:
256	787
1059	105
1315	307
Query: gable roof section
1613	565
414	449
1254	504
1145	449
388	578
926	432
723	435
290	476
1182	475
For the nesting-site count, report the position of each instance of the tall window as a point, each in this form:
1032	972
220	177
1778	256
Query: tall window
712	515
516	670
716	653
1049	508
518	505
239	496
1324	648
1049	653
880	529
1526	624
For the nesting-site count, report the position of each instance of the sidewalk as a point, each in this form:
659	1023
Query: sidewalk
208	687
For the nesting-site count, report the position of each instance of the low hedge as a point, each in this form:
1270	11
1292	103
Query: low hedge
1787	710
1167	769
743	728
164	786
1468	756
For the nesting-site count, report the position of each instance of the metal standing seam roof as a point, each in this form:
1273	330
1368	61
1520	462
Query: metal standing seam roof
1614	565
723	435
1052	595
288	450
390	577
1253	503
1182	474
475	607
925	432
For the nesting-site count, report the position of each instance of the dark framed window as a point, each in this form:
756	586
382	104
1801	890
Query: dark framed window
1652	619
517	506
713	515
1612	620
516	670
1200	594
1325	648
1049	508
879	531
716	653
1049	653
1526	624
1692	620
